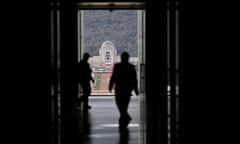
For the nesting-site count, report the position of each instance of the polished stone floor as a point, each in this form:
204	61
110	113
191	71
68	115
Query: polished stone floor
103	122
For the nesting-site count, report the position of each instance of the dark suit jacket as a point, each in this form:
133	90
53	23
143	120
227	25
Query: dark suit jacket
124	77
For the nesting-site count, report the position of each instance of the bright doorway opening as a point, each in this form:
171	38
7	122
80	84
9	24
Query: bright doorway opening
105	34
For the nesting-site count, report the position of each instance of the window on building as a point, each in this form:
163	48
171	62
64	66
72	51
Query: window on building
107	57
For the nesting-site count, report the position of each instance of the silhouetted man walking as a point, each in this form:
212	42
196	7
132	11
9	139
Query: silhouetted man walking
124	80
84	78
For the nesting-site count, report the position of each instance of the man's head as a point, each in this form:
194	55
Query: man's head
86	56
124	57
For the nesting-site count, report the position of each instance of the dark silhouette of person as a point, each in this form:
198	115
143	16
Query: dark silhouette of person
84	79
124	81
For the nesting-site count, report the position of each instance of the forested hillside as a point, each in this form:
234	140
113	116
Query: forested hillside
118	26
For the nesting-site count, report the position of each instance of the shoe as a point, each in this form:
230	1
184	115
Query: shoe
123	124
128	120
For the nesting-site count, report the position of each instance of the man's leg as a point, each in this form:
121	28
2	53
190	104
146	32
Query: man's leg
122	104
86	93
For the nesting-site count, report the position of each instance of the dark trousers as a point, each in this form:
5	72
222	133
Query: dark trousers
86	90
122	102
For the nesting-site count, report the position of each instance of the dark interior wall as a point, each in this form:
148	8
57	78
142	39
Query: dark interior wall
156	68
68	56
208	64
25	66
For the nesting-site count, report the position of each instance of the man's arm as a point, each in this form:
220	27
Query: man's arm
92	79
110	86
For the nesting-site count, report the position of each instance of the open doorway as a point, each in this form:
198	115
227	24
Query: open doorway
105	33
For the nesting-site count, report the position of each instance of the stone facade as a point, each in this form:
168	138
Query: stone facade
107	57
102	66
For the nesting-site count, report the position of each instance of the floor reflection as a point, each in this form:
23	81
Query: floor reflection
124	136
101	125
